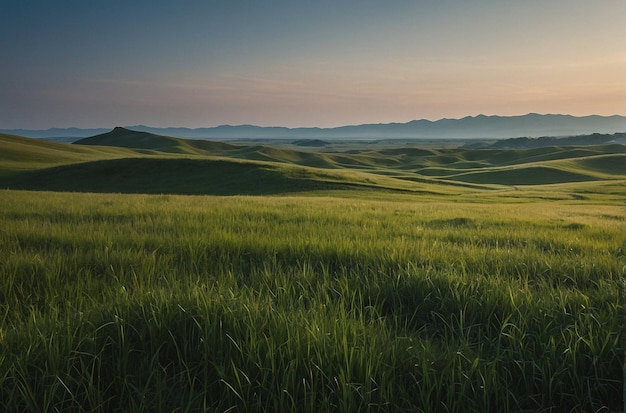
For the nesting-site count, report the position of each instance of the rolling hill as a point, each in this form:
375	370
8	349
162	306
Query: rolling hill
128	161
23	154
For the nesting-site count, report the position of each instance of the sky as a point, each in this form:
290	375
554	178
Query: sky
192	63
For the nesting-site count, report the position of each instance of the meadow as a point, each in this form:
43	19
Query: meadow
364	291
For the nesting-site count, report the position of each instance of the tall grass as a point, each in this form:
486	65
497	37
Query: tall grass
178	303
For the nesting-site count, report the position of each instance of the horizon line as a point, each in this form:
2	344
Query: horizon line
320	127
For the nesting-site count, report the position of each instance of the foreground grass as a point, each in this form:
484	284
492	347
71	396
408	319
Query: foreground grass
178	303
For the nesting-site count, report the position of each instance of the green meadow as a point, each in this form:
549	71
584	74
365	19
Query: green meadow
144	273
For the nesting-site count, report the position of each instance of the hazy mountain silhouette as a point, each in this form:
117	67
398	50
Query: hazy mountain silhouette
488	127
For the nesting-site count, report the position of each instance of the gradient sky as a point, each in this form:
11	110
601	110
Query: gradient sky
97	63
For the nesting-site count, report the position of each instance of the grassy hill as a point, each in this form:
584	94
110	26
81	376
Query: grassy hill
145	163
154	175
128	161
23	154
126	138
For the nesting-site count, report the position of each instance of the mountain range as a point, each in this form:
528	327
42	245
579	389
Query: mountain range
471	127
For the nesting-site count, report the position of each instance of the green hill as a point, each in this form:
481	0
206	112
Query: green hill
614	164
128	161
21	154
166	175
531	175
140	168
126	138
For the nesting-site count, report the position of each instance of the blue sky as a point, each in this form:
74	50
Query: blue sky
90	63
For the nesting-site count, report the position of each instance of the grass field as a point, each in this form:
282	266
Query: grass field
361	287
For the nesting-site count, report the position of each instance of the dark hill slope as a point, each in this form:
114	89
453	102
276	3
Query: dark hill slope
153	175
18	154
127	138
531	175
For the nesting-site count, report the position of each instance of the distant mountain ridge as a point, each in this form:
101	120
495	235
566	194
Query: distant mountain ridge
471	127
